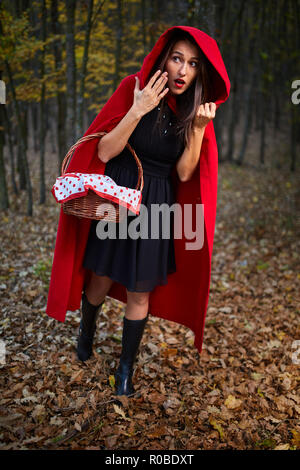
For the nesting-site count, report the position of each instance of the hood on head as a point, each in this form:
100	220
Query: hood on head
209	47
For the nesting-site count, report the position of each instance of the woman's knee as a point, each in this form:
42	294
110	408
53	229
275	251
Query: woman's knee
138	298
137	305
98	288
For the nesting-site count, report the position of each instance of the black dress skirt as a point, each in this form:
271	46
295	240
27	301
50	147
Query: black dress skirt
141	263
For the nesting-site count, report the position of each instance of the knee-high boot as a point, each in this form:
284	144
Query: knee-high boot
131	338
87	328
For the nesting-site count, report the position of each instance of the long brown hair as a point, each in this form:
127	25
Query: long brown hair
199	92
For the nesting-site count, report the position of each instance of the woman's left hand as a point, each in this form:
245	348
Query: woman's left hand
205	113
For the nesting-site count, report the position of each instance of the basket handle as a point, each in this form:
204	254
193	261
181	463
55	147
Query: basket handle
66	160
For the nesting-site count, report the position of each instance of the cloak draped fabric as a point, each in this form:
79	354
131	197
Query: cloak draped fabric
185	298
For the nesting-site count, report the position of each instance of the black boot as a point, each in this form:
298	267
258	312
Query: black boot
87	328
131	338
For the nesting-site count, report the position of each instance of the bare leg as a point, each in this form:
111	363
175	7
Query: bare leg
98	288
137	305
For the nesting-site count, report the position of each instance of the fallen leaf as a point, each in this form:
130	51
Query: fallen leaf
169	352
112	381
158	432
232	403
282	447
120	412
217	426
77	376
77	427
124	400
39	413
296	438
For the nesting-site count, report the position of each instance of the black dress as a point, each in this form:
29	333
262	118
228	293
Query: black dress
142	263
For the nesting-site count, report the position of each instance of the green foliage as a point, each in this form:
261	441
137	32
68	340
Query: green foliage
261	266
266	444
264	55
42	270
18	43
21	46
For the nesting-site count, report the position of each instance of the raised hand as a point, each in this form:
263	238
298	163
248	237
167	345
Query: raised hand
205	113
149	97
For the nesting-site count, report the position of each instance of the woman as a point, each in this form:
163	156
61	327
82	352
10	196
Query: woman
166	123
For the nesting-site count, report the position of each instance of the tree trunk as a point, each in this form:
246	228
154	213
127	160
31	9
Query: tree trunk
118	53
191	13
60	96
20	165
294	109
263	91
144	26
71	74
35	125
235	102
293	139
43	108
23	155
251	88
206	16
262	129
11	150
50	125
4	201
80	98
154	18
222	17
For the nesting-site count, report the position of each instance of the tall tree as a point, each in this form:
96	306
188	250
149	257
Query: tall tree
144	32
8	128
4	201
22	136
235	102
42	105
294	112
60	95
82	75
254	45
71	73
118	50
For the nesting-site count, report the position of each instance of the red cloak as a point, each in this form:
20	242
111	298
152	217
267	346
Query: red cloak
184	299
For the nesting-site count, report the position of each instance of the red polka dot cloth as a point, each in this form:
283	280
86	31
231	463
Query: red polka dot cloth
73	185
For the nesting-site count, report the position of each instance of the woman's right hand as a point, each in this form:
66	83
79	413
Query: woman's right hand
149	97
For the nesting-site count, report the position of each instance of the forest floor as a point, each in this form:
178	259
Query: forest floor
241	392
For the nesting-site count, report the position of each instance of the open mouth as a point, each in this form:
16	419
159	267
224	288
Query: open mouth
179	83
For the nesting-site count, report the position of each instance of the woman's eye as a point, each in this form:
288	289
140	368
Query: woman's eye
193	62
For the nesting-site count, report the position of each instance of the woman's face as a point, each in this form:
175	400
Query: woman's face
182	64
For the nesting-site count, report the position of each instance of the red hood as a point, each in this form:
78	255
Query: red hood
184	299
208	45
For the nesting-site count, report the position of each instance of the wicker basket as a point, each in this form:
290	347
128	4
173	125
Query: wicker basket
88	206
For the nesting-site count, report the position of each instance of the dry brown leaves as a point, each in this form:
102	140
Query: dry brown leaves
242	392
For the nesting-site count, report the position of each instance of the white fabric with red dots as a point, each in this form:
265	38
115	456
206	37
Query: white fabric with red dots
74	185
